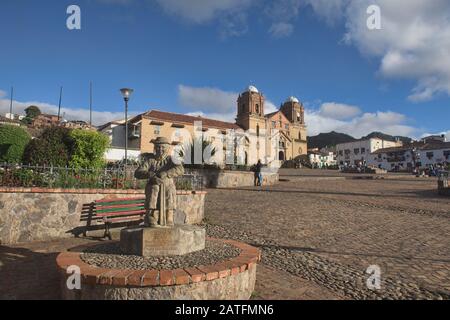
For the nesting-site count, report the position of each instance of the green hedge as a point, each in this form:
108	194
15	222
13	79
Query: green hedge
13	140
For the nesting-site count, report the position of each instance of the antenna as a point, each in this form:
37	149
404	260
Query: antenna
59	105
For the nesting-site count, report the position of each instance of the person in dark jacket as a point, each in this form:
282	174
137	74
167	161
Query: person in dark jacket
258	176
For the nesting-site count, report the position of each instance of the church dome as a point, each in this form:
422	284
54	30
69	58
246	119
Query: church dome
293	99
252	89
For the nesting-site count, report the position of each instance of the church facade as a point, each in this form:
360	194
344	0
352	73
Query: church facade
277	136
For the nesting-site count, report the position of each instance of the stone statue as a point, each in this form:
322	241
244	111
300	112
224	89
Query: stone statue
160	192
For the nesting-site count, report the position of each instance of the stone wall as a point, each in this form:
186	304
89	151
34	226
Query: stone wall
41	215
230	179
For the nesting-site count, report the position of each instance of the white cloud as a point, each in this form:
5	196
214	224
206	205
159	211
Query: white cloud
3	94
358	125
201	11
98	117
207	99
213	103
330	10
414	42
338	111
281	29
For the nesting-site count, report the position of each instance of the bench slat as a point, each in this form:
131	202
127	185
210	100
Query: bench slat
119	200
134	208
123	219
124	213
131	205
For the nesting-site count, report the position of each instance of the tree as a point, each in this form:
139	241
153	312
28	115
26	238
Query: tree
88	149
13	141
53	147
32	112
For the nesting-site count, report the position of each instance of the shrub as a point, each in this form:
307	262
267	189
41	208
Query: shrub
13	141
88	149
53	147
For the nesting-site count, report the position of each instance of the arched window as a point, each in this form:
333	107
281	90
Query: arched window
299	136
257	130
257	108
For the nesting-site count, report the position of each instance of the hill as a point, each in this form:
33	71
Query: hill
333	138
384	136
328	139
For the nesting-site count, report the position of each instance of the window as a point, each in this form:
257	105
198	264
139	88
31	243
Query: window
257	130
157	129
299	136
286	126
447	154
257	108
177	132
274	124
356	151
430	155
341	153
363	150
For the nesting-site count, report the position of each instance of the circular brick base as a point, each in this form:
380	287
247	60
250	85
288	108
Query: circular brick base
229	280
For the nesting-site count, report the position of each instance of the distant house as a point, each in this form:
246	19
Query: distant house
77	124
45	120
419	154
6	120
357	153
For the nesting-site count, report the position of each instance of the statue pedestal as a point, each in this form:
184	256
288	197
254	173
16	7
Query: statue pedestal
178	240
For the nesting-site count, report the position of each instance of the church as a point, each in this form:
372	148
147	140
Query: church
277	136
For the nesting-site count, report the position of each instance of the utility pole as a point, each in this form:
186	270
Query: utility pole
90	103
11	103
59	105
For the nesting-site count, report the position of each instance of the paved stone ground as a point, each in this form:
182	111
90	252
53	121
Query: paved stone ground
328	230
319	232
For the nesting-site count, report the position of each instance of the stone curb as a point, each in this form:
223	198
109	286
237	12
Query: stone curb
154	278
87	191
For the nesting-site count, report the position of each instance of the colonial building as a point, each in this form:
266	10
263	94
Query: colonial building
277	136
357	153
416	155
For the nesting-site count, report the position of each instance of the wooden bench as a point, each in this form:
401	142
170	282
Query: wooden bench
111	211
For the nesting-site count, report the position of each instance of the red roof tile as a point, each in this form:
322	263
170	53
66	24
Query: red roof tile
185	119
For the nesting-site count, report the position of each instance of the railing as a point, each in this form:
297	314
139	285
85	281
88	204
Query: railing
72	178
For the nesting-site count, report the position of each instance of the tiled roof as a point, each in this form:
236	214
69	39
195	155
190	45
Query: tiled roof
435	145
185	119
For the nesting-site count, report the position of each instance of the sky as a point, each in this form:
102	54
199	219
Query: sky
196	56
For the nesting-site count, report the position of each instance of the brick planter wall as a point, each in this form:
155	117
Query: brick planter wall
229	280
36	214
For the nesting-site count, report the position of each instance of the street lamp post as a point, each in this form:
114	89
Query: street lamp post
126	93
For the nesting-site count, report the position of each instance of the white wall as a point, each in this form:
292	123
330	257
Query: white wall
370	146
117	154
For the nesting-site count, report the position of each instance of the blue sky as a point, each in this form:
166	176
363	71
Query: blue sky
195	56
